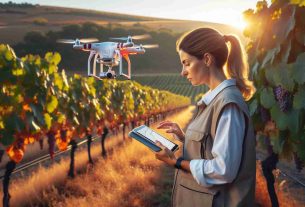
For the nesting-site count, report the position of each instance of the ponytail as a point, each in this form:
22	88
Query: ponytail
237	66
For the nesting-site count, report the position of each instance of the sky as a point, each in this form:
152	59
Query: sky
221	11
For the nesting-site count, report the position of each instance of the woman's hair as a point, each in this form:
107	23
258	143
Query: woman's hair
229	57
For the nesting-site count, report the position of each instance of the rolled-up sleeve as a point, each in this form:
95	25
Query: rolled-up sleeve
226	150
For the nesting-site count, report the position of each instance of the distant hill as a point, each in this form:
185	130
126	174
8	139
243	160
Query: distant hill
34	30
15	22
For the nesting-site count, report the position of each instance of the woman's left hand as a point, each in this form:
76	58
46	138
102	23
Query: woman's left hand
165	155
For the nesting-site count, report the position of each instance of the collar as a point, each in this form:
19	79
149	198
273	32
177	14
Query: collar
208	97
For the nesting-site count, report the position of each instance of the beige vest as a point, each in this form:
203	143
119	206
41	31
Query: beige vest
198	144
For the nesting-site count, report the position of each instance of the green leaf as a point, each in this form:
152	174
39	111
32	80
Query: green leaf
282	76
13	123
269	57
75	120
253	107
52	104
285	24
61	118
37	110
298	69
289	120
58	81
267	98
53	58
48	120
18	71
7	138
299	98
278	141
35	126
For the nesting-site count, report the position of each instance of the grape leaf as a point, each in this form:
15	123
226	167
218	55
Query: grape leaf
299	98
52	104
298	69
267	98
289	120
48	120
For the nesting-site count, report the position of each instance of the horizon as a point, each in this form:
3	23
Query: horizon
222	12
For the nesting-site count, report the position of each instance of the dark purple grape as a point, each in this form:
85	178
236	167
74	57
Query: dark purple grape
283	97
299	164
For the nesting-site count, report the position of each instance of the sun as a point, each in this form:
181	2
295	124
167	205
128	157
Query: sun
227	16
240	24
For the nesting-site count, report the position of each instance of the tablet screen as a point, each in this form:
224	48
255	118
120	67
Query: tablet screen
154	136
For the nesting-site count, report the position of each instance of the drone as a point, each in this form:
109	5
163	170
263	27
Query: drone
109	54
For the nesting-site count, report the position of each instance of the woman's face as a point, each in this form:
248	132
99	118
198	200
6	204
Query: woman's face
193	69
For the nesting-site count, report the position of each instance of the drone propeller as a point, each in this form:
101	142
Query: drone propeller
70	41
141	37
150	46
136	37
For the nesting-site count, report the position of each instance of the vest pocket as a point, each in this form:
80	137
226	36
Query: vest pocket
202	141
193	198
195	135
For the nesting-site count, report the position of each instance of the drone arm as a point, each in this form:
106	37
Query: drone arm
89	61
129	67
94	64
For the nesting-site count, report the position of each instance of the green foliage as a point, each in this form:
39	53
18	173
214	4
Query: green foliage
38	98
276	51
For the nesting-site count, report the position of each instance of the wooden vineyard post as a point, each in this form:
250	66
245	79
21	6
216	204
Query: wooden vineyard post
74	147
89	141
105	132
9	168
124	129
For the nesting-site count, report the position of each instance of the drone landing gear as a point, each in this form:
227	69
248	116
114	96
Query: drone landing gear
110	74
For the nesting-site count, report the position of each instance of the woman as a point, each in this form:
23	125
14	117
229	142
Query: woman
218	163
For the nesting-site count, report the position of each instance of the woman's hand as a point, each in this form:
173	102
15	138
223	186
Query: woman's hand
173	128
165	155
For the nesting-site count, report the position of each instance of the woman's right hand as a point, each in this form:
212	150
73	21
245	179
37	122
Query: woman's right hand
172	128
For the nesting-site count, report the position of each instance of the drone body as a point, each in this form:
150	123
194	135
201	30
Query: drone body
109	54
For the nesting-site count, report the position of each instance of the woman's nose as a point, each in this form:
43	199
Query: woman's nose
183	72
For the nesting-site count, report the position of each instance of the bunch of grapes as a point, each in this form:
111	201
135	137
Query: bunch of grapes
299	164
51	141
265	114
283	97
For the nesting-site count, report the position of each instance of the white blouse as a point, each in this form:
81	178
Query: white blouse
227	146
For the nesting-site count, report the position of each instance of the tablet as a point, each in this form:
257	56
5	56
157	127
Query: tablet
152	136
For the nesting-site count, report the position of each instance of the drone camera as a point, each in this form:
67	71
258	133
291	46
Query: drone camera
109	75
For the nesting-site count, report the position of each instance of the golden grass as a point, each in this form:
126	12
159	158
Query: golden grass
129	177
284	194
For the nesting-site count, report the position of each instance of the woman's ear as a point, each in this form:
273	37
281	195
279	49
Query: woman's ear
208	59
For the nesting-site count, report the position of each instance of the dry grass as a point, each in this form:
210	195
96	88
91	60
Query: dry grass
131	176
286	196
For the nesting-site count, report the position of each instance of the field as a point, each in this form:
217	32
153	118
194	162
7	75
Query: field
171	82
141	181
